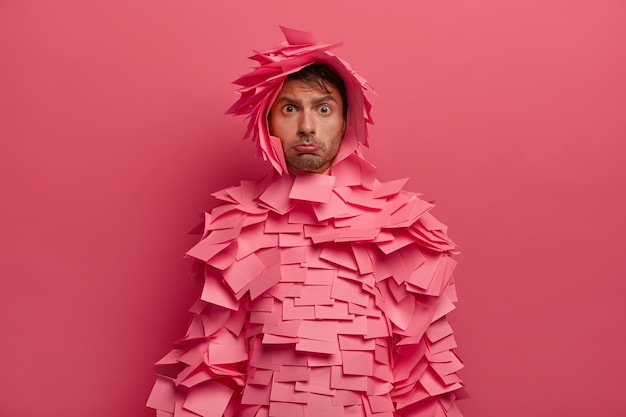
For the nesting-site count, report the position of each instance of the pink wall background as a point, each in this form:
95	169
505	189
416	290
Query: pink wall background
511	114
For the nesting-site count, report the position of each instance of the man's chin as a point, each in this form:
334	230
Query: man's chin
306	163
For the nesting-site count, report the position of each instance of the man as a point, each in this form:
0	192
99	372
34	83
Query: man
308	116
325	290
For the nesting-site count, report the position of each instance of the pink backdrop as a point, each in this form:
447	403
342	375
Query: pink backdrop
511	114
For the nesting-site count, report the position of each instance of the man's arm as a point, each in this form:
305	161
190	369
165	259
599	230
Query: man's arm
425	365
205	371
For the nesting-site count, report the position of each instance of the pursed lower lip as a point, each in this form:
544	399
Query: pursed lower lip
306	148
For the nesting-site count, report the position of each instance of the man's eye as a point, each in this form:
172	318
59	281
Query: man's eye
289	108
324	109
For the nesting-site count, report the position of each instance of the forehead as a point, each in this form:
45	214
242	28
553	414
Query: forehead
298	89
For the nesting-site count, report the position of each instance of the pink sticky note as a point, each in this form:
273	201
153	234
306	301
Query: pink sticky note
285	391
337	311
258	376
276	195
364	262
214	291
279	224
400	312
316	276
388	188
444	306
252	239
227	349
400	240
225	235
271	339
280	290
294	255
377	327
284	328
205	250
293	273
228	220
408	213
224	258
255	394
446	368
322	405
350	234
381	404
364	198
347	172
367	218
317	346
363	311
242	272
268	278
352	342
298	37
328	359
442	345
304	214
292	239
262	304
262	317
285	355
294	312
278	409
315	294
293	374
318	330
208	400
162	395
356	326
335	207
439	329
312	187
423	275
318	382
321	234
346	398
339	380
434	385
340	255
350	291
383	372
358	362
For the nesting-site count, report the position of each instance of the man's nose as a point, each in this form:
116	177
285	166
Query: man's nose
306	124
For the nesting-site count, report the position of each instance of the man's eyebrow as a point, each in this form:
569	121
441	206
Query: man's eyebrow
315	101
322	99
289	100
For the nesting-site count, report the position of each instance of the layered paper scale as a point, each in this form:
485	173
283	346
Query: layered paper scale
323	296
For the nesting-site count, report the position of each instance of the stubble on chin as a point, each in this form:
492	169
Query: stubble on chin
305	162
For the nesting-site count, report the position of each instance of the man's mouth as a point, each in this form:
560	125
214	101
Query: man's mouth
306	148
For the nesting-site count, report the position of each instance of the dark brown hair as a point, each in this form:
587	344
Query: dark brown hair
321	74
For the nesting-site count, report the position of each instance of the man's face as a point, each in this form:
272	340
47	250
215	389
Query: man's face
309	123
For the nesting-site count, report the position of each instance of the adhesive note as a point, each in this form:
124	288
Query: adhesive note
358	362
214	291
286	392
208	399
318	382
312	187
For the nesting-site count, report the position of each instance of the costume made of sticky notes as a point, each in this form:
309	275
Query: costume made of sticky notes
325	295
